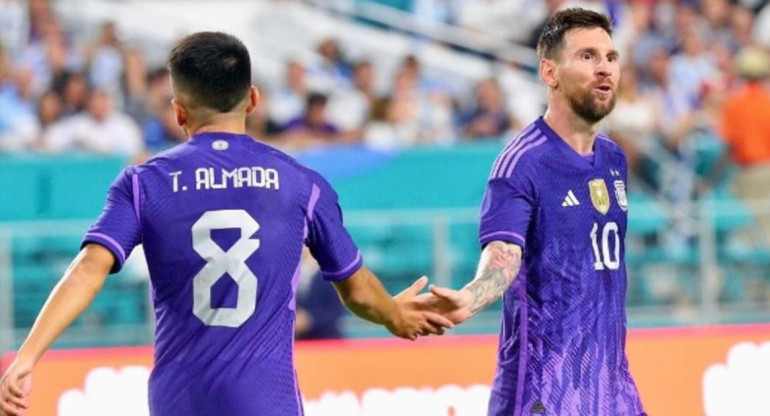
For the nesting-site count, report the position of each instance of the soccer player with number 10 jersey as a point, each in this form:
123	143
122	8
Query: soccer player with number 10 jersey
553	223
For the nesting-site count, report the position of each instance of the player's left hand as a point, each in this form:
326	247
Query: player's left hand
413	318
451	304
15	387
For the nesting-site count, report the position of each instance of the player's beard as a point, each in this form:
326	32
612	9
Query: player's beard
588	107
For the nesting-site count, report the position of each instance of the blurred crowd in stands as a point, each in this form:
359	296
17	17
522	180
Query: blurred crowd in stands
693	75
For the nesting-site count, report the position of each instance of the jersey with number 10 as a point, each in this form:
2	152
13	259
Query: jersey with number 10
562	342
223	220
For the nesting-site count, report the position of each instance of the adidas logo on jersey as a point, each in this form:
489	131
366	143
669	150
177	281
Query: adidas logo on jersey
570	200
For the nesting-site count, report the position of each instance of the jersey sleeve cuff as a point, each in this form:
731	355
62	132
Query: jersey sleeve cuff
507	236
109	243
345	272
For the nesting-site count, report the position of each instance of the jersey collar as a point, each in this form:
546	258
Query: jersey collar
218	135
575	157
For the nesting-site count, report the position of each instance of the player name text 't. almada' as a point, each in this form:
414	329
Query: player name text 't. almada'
243	177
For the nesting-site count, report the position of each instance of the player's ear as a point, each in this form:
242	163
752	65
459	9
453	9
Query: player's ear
181	113
548	72
253	99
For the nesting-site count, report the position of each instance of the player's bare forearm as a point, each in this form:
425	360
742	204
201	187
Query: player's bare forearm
365	296
402	315
83	279
499	265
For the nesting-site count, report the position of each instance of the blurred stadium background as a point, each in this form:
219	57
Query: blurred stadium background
403	105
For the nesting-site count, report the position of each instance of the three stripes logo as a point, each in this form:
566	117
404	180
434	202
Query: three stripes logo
570	200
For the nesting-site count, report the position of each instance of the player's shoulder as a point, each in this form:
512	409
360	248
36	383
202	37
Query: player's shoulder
290	162
522	153
168	158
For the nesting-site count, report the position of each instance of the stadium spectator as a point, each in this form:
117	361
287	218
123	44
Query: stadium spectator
49	111
488	118
313	126
135	82
741	27
104	59
332	70
419	108
319	311
47	56
260	126
288	101
100	129
74	90
692	67
14	25
160	131
18	123
634	123
350	108
745	124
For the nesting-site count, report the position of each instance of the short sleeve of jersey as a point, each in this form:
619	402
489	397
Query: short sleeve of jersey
327	238
117	228
507	209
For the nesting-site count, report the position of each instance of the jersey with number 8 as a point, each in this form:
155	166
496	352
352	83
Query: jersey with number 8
563	334
223	246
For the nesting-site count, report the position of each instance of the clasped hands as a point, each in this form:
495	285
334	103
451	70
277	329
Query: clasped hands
430	313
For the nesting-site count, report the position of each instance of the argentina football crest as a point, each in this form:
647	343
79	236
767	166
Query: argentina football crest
600	197
620	194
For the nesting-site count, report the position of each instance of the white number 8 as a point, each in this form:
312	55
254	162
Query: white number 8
219	262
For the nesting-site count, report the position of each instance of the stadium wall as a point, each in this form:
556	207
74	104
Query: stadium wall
714	371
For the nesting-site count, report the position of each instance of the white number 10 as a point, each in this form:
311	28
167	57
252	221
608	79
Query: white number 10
219	262
604	258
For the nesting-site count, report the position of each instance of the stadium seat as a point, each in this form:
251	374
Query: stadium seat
645	215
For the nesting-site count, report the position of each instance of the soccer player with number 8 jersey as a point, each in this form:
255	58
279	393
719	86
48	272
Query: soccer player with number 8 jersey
223	220
552	227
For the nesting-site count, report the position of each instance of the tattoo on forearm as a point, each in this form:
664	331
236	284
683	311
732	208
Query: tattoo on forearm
499	266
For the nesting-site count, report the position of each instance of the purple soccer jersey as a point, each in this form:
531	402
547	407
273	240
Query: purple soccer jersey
223	220
562	340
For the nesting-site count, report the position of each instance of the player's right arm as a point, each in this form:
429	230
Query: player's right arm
359	289
105	248
365	296
71	296
499	265
506	214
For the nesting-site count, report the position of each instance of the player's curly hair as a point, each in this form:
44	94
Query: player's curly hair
213	69
552	37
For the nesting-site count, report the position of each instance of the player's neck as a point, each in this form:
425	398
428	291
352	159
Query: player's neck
224	123
575	131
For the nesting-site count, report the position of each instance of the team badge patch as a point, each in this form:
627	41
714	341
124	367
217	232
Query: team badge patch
600	197
620	194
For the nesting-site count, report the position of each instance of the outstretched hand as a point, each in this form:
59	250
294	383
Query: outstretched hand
454	305
413	318
15	387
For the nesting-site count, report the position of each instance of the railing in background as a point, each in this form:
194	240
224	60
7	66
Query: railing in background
698	282
34	255
499	48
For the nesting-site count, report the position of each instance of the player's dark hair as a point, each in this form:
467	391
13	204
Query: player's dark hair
316	98
212	68
552	37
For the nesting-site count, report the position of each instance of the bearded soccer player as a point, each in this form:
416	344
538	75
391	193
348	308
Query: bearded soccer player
552	227
223	220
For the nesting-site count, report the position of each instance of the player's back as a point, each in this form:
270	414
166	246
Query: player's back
223	221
